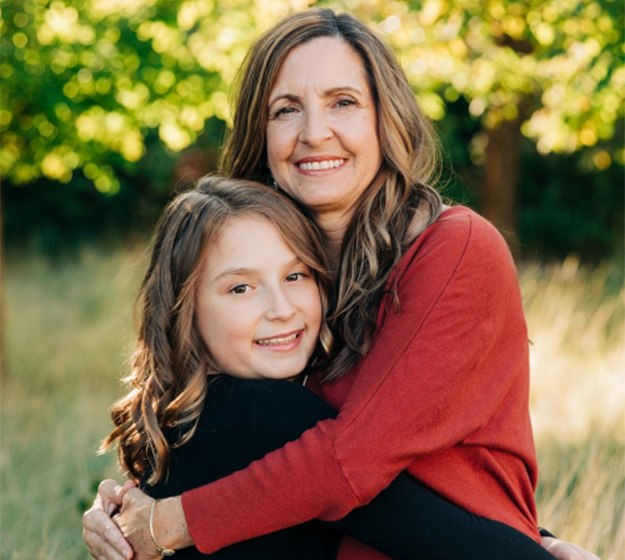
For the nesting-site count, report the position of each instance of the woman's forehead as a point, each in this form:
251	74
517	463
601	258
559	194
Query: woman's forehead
325	63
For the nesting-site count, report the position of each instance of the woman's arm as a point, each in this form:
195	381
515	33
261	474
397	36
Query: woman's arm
106	542
406	521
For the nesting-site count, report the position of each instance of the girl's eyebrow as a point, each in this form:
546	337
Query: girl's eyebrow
242	271
326	93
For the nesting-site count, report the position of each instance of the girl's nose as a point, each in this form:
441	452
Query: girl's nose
279	306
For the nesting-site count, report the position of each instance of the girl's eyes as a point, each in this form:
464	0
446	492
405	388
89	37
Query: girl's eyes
240	289
295	276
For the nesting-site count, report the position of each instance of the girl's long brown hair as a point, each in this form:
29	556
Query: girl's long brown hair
377	235
168	382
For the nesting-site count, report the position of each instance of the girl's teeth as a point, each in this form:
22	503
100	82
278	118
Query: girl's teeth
279	340
320	165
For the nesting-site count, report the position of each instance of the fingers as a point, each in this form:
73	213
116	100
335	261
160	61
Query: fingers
111	494
103	538
133	494
108	495
122	490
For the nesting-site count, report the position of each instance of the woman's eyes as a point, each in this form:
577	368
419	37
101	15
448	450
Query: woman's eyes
345	102
285	112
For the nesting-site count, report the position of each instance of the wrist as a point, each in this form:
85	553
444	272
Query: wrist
170	525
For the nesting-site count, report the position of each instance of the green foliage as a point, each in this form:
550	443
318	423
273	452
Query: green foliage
555	64
101	97
84	82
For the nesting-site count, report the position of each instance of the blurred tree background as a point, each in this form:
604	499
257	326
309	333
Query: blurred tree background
109	105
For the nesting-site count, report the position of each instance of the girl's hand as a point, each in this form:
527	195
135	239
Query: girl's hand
103	538
170	527
563	550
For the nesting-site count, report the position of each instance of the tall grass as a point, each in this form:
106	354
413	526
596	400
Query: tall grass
66	327
67	330
576	320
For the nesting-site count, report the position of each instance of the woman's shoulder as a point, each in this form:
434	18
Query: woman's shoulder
462	229
459	240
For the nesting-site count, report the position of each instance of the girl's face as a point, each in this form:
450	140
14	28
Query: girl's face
257	305
322	140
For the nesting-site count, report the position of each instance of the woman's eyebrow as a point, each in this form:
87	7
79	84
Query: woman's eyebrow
326	93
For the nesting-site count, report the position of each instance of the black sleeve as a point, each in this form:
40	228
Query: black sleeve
245	419
405	521
238	425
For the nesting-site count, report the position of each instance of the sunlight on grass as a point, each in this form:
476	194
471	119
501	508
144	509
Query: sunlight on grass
67	332
576	320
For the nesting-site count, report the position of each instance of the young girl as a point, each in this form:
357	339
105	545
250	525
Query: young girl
231	307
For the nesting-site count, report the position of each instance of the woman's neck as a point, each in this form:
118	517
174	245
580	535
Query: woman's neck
333	230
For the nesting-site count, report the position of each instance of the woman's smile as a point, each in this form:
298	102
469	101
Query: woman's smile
320	164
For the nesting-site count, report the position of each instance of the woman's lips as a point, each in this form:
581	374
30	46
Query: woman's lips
320	165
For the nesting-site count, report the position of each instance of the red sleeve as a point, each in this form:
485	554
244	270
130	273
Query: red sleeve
438	369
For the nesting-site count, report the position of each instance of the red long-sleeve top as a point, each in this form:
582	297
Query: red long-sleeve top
442	394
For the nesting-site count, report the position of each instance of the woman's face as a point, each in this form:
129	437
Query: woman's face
257	305
322	140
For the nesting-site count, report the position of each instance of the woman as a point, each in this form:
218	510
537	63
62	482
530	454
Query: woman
432	374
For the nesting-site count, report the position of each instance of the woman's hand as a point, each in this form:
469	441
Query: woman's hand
563	550
134	523
170	527
103	538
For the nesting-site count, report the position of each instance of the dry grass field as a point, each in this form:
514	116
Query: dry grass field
67	328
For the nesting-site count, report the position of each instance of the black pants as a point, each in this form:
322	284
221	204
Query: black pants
243	420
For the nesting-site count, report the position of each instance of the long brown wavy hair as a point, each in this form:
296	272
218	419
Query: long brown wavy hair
378	233
170	366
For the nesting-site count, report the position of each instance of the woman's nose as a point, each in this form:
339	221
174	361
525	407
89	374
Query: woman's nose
315	128
279	306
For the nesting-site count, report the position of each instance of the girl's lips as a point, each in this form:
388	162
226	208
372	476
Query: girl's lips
281	340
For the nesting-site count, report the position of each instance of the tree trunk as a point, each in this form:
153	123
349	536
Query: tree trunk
501	180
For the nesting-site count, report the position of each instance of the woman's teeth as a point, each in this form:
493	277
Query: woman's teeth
319	165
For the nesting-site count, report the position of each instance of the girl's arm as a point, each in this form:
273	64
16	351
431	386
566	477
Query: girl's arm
106	542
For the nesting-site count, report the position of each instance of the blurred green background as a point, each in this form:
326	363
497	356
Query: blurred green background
107	107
